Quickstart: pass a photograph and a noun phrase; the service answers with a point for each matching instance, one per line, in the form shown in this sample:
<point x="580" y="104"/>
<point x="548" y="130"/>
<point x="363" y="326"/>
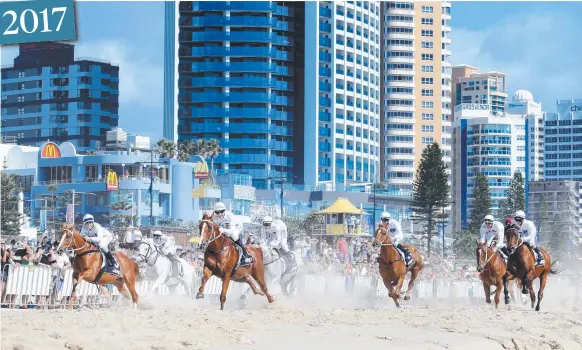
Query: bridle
<point x="487" y="257"/>
<point x="70" y="240"/>
<point x="210" y="226"/>
<point x="519" y="239"/>
<point x="145" y="257"/>
<point x="383" y="244"/>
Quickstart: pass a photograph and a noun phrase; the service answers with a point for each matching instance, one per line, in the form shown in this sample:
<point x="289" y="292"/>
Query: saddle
<point x="109" y="267"/>
<point x="402" y="256"/>
<point x="291" y="264"/>
<point x="176" y="267"/>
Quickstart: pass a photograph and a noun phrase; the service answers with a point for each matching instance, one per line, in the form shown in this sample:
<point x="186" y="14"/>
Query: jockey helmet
<point x="267" y="220"/>
<point x="489" y="219"/>
<point x="219" y="207"/>
<point x="157" y="233"/>
<point x="385" y="216"/>
<point x="519" y="215"/>
<point x="88" y="218"/>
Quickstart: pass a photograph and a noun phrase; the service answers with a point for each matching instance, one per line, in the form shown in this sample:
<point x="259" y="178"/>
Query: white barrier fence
<point x="41" y="286"/>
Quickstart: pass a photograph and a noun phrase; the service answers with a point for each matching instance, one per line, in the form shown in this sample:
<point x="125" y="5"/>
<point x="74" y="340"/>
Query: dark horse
<point x="521" y="265"/>
<point x="221" y="257"/>
<point x="88" y="261"/>
<point x="392" y="267"/>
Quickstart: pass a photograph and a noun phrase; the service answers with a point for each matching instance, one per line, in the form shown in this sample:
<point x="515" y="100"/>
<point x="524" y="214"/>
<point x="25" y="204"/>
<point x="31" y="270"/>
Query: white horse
<point x="276" y="270"/>
<point x="150" y="254"/>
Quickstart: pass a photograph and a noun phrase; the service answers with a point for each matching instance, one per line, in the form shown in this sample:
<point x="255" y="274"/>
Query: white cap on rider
<point x="267" y="220"/>
<point x="88" y="218"/>
<point x="488" y="218"/>
<point x="519" y="215"/>
<point x="219" y="206"/>
<point x="386" y="215"/>
<point x="157" y="233"/>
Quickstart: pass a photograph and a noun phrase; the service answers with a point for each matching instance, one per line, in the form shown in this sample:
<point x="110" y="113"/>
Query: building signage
<point x="112" y="181"/>
<point x="50" y="150"/>
<point x="472" y="107"/>
<point x="576" y="108"/>
<point x="201" y="170"/>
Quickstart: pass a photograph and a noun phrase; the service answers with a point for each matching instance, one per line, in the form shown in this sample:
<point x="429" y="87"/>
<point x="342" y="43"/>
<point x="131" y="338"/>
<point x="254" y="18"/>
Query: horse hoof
<point x="488" y="301"/>
<point x="537" y="308"/>
<point x="507" y="301"/>
<point x="407" y="297"/>
<point x="243" y="297"/>
<point x="199" y="296"/>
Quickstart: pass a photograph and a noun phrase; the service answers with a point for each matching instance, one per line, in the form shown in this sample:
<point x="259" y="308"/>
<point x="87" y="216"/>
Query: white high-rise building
<point x="416" y="86"/>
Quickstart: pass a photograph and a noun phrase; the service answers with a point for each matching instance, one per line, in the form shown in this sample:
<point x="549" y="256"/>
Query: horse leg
<point x="121" y="287"/>
<point x="487" y="290"/>
<point x="499" y="286"/>
<point x="259" y="276"/>
<point x="158" y="282"/>
<point x="505" y="291"/>
<point x="72" y="298"/>
<point x="543" y="279"/>
<point x="391" y="291"/>
<point x="205" y="277"/>
<point x="413" y="275"/>
<point x="225" y="284"/>
<point x="251" y="284"/>
<point x="532" y="293"/>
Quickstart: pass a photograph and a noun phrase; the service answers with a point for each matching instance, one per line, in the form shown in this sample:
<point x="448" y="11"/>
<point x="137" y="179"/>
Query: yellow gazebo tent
<point x="342" y="218"/>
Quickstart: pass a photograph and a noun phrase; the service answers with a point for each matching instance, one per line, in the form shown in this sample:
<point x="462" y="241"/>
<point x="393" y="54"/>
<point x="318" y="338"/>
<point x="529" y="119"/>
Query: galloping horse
<point x="392" y="267"/>
<point x="88" y="262"/>
<point x="221" y="257"/>
<point x="150" y="254"/>
<point x="521" y="265"/>
<point x="491" y="269"/>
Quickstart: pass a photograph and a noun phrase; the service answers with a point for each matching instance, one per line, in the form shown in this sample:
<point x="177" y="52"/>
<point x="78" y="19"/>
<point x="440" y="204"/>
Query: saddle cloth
<point x="113" y="268"/>
<point x="402" y="256"/>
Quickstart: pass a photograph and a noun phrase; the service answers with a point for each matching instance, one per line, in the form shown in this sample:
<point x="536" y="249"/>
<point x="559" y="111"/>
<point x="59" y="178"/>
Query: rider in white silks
<point x="167" y="244"/>
<point x="231" y="227"/>
<point x="276" y="235"/>
<point x="528" y="232"/>
<point x="492" y="233"/>
<point x="98" y="235"/>
<point x="395" y="230"/>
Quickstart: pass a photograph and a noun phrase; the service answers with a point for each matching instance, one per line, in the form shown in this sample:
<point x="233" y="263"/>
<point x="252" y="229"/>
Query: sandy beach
<point x="301" y="323"/>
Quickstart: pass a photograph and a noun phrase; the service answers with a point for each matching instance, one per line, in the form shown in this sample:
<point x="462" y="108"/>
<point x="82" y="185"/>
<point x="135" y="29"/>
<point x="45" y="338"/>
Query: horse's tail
<point x="554" y="270"/>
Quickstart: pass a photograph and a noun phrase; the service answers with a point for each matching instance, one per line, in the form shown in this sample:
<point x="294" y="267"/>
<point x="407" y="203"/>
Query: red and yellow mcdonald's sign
<point x="50" y="150"/>
<point x="201" y="170"/>
<point x="112" y="181"/>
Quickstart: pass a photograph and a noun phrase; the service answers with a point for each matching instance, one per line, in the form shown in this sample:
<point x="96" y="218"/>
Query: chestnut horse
<point x="392" y="267"/>
<point x="88" y="261"/>
<point x="521" y="265"/>
<point x="221" y="257"/>
<point x="491" y="269"/>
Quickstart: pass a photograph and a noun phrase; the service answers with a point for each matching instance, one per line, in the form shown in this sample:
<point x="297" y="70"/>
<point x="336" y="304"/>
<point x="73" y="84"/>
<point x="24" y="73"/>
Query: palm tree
<point x="213" y="150"/>
<point x="166" y="148"/>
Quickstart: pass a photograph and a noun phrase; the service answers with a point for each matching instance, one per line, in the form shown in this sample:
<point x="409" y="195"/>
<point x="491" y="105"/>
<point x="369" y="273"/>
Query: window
<point x="427" y="116"/>
<point x="427" y="140"/>
<point x="427" y="45"/>
<point x="427" y="69"/>
<point x="427" y="21"/>
<point x="427" y="104"/>
<point x="427" y="80"/>
<point x="427" y="92"/>
<point x="427" y="32"/>
<point x="427" y="9"/>
<point x="427" y="128"/>
<point x="427" y="57"/>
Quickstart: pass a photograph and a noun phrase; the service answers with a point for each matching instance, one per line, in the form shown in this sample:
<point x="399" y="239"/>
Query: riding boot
<point x="110" y="260"/>
<point x="540" y="259"/>
<point x="407" y="255"/>
<point x="246" y="257"/>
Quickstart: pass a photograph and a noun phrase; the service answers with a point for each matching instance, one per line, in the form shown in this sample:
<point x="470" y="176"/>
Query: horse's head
<point x="145" y="251"/>
<point x="512" y="234"/>
<point x="68" y="239"/>
<point x="382" y="236"/>
<point x="208" y="230"/>
<point x="482" y="253"/>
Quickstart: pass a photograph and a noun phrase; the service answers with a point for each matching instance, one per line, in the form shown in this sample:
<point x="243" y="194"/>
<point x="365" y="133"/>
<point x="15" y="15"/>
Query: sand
<point x="305" y="322"/>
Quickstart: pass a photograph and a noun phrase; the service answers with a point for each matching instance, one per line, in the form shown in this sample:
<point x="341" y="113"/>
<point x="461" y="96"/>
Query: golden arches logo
<point x="201" y="170"/>
<point x="50" y="150"/>
<point x="112" y="181"/>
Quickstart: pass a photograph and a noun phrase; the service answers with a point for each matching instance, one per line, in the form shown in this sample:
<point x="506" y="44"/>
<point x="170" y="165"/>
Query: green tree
<point x="481" y="203"/>
<point x="430" y="189"/>
<point x="464" y="244"/>
<point x="515" y="197"/>
<point x="312" y="221"/>
<point x="120" y="215"/>
<point x="294" y="226"/>
<point x="213" y="150"/>
<point x="10" y="221"/>
<point x="558" y="237"/>
<point x="542" y="220"/>
<point x="166" y="148"/>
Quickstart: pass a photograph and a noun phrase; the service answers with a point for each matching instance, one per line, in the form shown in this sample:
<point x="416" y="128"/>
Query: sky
<point x="537" y="44"/>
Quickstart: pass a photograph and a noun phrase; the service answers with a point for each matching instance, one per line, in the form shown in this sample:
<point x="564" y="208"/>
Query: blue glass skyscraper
<point x="49" y="95"/>
<point x="238" y="71"/>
